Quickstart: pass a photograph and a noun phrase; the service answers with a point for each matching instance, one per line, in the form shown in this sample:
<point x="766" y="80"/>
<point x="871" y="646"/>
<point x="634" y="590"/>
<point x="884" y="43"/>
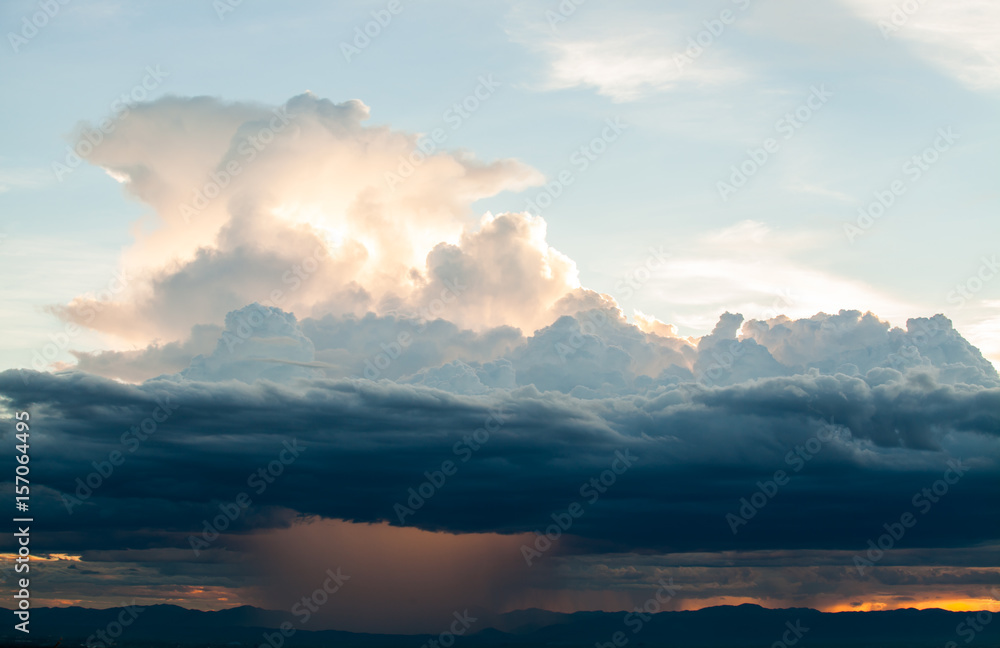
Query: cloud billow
<point x="896" y="428"/>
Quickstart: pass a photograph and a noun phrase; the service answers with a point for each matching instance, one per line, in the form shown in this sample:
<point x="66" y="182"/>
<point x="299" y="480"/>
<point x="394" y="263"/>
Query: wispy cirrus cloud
<point x="22" y="179"/>
<point x="629" y="53"/>
<point x="958" y="37"/>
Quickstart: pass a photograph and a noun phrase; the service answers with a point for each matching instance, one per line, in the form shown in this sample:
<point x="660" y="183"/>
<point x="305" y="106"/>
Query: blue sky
<point x="657" y="184"/>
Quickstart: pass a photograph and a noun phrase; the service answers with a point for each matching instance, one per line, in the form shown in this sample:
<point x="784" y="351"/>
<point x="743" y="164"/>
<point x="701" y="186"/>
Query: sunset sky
<point x="710" y="287"/>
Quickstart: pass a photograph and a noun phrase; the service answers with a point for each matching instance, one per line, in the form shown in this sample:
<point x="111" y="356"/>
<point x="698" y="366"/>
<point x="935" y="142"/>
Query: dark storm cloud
<point x="888" y="433"/>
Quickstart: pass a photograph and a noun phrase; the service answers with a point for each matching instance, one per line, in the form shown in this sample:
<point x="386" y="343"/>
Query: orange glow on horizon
<point x="9" y="557"/>
<point x="951" y="605"/>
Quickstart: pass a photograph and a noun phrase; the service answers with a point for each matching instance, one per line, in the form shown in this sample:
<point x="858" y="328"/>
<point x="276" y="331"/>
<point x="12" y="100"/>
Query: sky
<point x="499" y="250"/>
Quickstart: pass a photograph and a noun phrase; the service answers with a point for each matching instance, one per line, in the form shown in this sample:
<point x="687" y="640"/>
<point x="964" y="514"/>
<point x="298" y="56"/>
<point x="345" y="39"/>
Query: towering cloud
<point x="304" y="207"/>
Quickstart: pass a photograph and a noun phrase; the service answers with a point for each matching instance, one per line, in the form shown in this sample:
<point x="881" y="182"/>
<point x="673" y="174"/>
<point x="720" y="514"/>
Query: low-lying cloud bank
<point x="890" y="409"/>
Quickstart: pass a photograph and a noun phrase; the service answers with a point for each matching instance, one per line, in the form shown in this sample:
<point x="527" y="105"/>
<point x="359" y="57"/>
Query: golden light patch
<point x="53" y="557"/>
<point x="889" y="603"/>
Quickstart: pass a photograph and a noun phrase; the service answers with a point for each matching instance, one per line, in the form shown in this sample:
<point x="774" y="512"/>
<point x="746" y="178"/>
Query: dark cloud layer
<point x="568" y="398"/>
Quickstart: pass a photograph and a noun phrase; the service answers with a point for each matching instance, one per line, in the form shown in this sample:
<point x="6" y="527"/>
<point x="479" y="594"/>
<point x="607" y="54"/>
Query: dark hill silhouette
<point x="715" y="627"/>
